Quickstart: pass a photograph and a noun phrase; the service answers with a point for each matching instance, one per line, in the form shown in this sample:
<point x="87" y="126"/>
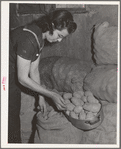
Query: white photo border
<point x="5" y="76"/>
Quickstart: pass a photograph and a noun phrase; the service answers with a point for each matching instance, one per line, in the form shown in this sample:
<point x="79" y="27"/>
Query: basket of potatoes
<point x="83" y="110"/>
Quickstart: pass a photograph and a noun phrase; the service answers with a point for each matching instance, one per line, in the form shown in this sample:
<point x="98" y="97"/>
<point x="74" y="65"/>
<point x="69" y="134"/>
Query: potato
<point x="67" y="112"/>
<point x="89" y="116"/>
<point x="82" y="115"/>
<point x="77" y="95"/>
<point x="78" y="109"/>
<point x="84" y="98"/>
<point x="92" y="107"/>
<point x="73" y="115"/>
<point x="67" y="95"/>
<point x="67" y="101"/>
<point x="80" y="93"/>
<point x="77" y="101"/>
<point x="88" y="93"/>
<point x="85" y="111"/>
<point x="92" y="99"/>
<point x="70" y="107"/>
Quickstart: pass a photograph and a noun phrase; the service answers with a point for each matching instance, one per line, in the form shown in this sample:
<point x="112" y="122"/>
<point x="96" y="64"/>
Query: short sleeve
<point x="26" y="46"/>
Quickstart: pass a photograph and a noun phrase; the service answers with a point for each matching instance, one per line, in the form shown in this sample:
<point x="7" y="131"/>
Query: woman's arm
<point x="34" y="75"/>
<point x="24" y="67"/>
<point x="34" y="71"/>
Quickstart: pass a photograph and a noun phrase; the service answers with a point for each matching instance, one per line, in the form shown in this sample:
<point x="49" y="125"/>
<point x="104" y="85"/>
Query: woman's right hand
<point x="59" y="101"/>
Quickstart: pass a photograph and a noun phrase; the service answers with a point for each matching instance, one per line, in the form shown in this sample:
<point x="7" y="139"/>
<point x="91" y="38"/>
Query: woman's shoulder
<point x="36" y="31"/>
<point x="29" y="27"/>
<point x="34" y="28"/>
<point x="29" y="32"/>
<point x="16" y="31"/>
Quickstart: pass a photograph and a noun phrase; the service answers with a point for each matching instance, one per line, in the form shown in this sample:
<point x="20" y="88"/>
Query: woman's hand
<point x="42" y="105"/>
<point x="59" y="101"/>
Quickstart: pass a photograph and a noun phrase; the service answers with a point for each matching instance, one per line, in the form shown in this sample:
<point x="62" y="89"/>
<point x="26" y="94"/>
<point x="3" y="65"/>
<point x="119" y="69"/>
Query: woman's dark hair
<point x="58" y="19"/>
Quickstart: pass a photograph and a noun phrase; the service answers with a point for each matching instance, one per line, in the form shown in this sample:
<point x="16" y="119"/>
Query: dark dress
<point x="25" y="41"/>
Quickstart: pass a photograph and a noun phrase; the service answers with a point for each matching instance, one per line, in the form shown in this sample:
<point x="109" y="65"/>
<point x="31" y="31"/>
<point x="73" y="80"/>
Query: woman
<point x="26" y="43"/>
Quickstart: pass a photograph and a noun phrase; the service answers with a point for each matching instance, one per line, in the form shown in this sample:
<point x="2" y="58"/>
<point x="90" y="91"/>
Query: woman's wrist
<point x="48" y="93"/>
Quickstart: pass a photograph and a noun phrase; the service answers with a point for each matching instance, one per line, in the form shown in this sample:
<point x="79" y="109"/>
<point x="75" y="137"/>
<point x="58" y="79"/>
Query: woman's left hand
<point x="42" y="105"/>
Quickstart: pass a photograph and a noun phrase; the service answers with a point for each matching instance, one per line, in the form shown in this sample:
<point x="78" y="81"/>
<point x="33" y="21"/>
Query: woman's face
<point x="57" y="35"/>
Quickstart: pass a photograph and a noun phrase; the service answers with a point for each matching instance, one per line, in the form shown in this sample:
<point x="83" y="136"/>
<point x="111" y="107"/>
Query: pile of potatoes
<point x="81" y="105"/>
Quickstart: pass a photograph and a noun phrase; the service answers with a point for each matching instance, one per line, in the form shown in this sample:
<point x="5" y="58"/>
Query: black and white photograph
<point x="63" y="91"/>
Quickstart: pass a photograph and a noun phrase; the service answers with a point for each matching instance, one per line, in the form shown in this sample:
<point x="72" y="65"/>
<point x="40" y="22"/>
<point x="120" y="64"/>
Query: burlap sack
<point x="102" y="82"/>
<point x="56" y="129"/>
<point x="63" y="74"/>
<point x="105" y="44"/>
